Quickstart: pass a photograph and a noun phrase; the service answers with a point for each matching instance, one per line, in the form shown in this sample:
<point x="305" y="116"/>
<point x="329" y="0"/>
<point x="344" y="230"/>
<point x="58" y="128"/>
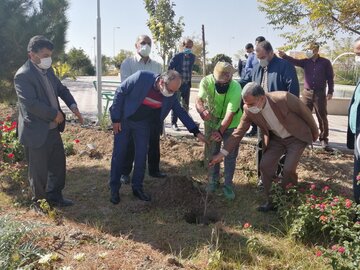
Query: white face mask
<point x="144" y="50"/>
<point x="45" y="63"/>
<point x="309" y="53"/>
<point x="165" y="92"/>
<point x="263" y="62"/>
<point x="254" y="109"/>
<point x="357" y="59"/>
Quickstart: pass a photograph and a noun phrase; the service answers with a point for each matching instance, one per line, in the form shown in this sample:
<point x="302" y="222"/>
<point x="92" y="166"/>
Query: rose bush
<point x="315" y="214"/>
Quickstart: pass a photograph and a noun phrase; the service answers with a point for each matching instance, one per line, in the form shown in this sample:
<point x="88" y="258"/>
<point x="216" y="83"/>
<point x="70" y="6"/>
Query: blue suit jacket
<point x="35" y="110"/>
<point x="350" y="142"/>
<point x="132" y="92"/>
<point x="177" y="62"/>
<point x="281" y="76"/>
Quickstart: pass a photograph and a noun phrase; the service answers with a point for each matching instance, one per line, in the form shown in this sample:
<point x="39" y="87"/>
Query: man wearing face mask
<point x="41" y="121"/>
<point x="273" y="74"/>
<point x="318" y="72"/>
<point x="183" y="63"/>
<point x="142" y="61"/>
<point x="140" y="97"/>
<point x="287" y="126"/>
<point x="353" y="131"/>
<point x="218" y="104"/>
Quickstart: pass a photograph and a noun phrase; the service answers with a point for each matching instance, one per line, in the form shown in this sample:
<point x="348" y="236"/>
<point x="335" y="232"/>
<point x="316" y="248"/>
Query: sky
<point x="229" y="24"/>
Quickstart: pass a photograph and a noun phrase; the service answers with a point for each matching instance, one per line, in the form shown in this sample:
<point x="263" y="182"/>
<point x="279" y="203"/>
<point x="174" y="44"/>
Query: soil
<point x="137" y="235"/>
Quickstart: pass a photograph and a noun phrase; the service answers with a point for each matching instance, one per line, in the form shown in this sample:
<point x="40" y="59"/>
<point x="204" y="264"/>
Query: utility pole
<point x="203" y="50"/>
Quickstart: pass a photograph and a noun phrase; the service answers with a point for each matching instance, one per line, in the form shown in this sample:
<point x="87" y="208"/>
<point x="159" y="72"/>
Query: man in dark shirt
<point x="318" y="72"/>
<point x="183" y="62"/>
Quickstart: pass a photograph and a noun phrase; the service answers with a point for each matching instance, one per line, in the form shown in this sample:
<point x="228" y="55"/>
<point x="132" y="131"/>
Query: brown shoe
<point x="326" y="146"/>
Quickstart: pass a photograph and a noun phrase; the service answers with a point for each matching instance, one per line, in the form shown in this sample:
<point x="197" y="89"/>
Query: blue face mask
<point x="187" y="51"/>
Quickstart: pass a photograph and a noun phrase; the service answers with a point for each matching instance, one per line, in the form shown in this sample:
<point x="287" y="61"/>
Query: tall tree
<point x="312" y="19"/>
<point x="22" y="19"/>
<point x="79" y="62"/>
<point x="120" y="57"/>
<point x="165" y="31"/>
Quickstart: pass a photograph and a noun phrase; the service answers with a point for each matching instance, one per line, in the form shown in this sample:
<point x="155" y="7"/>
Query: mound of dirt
<point x="177" y="191"/>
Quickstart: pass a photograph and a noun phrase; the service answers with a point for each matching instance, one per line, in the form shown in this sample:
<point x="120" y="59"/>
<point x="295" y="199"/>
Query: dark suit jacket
<point x="281" y="76"/>
<point x="350" y="142"/>
<point x="132" y="92"/>
<point x="177" y="62"/>
<point x="292" y="113"/>
<point x="35" y="111"/>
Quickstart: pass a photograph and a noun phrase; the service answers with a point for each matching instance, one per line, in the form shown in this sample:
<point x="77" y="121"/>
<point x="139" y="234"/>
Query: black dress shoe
<point x="115" y="197"/>
<point x="61" y="202"/>
<point x="140" y="194"/>
<point x="157" y="174"/>
<point x="267" y="207"/>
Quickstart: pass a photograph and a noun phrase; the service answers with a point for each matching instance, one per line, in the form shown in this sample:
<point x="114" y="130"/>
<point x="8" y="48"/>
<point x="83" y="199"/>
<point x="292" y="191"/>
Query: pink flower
<point x="11" y="155"/>
<point x="318" y="253"/>
<point x="326" y="188"/>
<point x="312" y="186"/>
<point x="348" y="203"/>
<point x="247" y="225"/>
<point x="336" y="199"/>
<point x="323" y="219"/>
<point x="76" y="141"/>
<point x="334" y="247"/>
<point x="358" y="178"/>
<point x="341" y="250"/>
<point x="312" y="196"/>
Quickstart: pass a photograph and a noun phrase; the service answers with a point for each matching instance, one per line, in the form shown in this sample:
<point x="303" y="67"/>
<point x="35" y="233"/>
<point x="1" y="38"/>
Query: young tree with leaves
<point x="312" y="19"/>
<point x="165" y="31"/>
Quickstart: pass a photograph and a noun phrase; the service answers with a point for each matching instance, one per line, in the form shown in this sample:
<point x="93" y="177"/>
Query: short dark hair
<point x="249" y="46"/>
<point x="259" y="39"/>
<point x="253" y="89"/>
<point x="37" y="43"/>
<point x="266" y="45"/>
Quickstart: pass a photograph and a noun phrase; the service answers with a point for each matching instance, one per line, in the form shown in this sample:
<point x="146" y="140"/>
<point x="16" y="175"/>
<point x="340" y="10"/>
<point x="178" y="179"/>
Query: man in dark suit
<point x="140" y="99"/>
<point x="183" y="62"/>
<point x="287" y="125"/>
<point x="41" y="121"/>
<point x="354" y="127"/>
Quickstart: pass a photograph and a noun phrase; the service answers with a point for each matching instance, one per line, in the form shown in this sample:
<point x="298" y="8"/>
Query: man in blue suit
<point x="354" y="127"/>
<point x="140" y="99"/>
<point x="183" y="62"/>
<point x="41" y="120"/>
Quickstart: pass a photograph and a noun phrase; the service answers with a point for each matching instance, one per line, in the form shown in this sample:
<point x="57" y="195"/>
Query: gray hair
<point x="266" y="45"/>
<point x="253" y="89"/>
<point x="170" y="75"/>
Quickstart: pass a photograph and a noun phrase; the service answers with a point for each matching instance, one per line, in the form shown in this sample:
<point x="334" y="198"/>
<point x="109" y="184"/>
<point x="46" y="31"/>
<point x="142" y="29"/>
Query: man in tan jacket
<point x="287" y="126"/>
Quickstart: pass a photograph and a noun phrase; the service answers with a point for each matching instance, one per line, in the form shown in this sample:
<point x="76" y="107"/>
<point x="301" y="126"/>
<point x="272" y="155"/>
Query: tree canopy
<point x="22" y="19"/>
<point x="312" y="19"/>
<point x="165" y="31"/>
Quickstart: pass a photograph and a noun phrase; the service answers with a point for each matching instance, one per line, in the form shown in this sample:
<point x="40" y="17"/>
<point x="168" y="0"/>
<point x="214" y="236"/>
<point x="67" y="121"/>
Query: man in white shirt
<point x="142" y="61"/>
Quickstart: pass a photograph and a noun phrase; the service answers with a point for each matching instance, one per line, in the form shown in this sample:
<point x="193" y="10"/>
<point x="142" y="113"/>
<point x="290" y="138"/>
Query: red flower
<point x="318" y="253"/>
<point x="247" y="225"/>
<point x="341" y="250"/>
<point x="288" y="186"/>
<point x="8" y="118"/>
<point x="358" y="178"/>
<point x="348" y="203"/>
<point x="312" y="196"/>
<point x="76" y="141"/>
<point x="11" y="155"/>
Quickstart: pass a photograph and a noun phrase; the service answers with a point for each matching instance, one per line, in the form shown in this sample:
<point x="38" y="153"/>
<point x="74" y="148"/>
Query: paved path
<point x="86" y="97"/>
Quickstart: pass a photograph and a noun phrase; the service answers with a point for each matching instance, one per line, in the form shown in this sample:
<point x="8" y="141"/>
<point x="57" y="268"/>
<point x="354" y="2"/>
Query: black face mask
<point x="222" y="88"/>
